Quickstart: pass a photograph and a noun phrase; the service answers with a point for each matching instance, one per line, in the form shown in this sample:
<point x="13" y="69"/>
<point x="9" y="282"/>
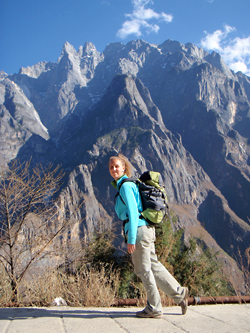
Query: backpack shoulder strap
<point x="131" y="179"/>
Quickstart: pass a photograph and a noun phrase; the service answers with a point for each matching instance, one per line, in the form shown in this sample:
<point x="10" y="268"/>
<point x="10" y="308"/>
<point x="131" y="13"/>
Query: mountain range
<point x="171" y="108"/>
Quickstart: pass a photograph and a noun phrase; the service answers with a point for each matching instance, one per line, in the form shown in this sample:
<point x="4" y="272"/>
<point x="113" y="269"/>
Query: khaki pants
<point x="152" y="272"/>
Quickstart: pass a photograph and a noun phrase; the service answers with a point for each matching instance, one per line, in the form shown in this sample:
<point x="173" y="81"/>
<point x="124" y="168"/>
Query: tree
<point x="30" y="218"/>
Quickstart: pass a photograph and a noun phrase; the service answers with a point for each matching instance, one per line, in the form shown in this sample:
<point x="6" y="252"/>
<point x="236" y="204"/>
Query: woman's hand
<point x="131" y="248"/>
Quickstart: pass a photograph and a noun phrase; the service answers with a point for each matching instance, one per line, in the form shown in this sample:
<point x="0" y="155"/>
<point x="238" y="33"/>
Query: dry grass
<point x="5" y="288"/>
<point x="85" y="288"/>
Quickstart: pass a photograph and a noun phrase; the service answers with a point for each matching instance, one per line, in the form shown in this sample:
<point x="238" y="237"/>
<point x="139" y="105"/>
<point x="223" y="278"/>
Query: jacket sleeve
<point x="128" y="194"/>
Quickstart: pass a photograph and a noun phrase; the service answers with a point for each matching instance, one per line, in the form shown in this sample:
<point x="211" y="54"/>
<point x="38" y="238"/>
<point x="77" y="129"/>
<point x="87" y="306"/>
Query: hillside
<point x="172" y="108"/>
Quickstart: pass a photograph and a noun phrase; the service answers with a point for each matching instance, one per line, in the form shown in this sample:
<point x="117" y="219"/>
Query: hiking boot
<point x="148" y="314"/>
<point x="184" y="302"/>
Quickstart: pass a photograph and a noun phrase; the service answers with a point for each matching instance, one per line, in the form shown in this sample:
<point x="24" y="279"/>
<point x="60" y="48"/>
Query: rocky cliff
<point x="172" y="108"/>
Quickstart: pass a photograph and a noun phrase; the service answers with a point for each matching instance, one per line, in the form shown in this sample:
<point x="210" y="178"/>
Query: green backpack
<point x="153" y="196"/>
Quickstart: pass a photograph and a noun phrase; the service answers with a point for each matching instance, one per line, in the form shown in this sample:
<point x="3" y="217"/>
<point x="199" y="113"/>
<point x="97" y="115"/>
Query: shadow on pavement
<point x="24" y="313"/>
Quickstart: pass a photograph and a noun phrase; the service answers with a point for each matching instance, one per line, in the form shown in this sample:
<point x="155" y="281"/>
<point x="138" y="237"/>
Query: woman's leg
<point x="142" y="267"/>
<point x="165" y="280"/>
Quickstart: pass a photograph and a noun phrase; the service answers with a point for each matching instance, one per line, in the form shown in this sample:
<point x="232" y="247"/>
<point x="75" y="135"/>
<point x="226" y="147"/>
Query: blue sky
<point x="35" y="30"/>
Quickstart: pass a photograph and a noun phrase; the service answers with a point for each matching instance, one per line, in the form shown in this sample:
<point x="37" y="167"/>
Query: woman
<point x="140" y="244"/>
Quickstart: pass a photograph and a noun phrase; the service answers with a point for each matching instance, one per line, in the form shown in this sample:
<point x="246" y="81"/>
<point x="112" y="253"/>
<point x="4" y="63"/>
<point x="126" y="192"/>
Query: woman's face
<point x="116" y="168"/>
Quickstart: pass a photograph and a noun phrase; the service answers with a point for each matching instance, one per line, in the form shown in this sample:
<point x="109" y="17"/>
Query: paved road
<point x="200" y="318"/>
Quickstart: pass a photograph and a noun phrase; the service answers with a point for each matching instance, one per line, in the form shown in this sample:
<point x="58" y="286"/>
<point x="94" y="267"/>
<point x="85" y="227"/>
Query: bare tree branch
<point x="29" y="217"/>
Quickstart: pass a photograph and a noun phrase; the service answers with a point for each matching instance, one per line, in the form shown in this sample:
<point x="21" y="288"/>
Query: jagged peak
<point x="171" y="46"/>
<point x="3" y="75"/>
<point x="68" y="48"/>
<point x="216" y="60"/>
<point x="114" y="47"/>
<point x="196" y="51"/>
<point x="36" y="70"/>
<point x="89" y="48"/>
<point x="137" y="43"/>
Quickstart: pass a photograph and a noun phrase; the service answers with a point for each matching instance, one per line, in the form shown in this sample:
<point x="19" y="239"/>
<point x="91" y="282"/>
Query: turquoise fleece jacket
<point x="131" y="210"/>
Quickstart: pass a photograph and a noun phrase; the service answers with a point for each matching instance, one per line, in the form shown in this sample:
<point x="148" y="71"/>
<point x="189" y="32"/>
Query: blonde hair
<point x="125" y="163"/>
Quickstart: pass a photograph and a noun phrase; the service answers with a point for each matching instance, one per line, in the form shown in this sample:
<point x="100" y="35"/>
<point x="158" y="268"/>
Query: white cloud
<point x="213" y="41"/>
<point x="139" y="18"/>
<point x="235" y="51"/>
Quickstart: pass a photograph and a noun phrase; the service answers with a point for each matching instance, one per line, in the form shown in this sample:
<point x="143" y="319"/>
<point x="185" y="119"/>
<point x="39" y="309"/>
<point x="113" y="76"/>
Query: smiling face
<point x="116" y="168"/>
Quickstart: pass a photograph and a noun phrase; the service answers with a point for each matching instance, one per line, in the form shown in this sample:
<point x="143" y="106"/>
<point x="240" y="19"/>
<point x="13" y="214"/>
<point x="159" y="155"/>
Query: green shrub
<point x="193" y="265"/>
